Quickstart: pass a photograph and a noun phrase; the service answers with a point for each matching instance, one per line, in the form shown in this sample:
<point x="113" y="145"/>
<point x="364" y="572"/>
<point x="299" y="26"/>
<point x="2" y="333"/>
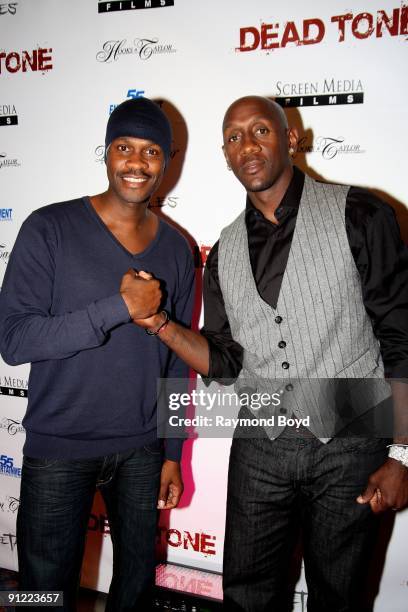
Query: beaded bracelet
<point x="149" y="332"/>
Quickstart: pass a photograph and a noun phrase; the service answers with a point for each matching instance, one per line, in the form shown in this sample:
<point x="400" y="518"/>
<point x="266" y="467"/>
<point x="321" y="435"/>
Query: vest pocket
<point x="361" y="367"/>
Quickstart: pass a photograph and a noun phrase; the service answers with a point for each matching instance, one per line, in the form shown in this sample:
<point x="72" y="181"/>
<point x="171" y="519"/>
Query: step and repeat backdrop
<point x="338" y="68"/>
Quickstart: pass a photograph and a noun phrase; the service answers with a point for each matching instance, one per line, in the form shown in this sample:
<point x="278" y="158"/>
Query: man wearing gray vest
<point x="309" y="283"/>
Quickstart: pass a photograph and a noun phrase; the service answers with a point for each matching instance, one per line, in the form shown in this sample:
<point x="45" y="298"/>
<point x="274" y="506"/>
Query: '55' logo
<point x="6" y="461"/>
<point x="135" y="93"/>
<point x="132" y="93"/>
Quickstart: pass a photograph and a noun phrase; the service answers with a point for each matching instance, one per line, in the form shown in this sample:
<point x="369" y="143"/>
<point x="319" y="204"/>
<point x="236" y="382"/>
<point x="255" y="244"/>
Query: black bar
<point x="9" y="120"/>
<point x="131" y="5"/>
<point x="13" y="392"/>
<point x="322" y="100"/>
<point x="31" y="599"/>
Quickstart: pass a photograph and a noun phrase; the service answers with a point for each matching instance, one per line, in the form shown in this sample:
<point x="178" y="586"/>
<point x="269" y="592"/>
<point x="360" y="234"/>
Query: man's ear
<point x="293" y="137"/>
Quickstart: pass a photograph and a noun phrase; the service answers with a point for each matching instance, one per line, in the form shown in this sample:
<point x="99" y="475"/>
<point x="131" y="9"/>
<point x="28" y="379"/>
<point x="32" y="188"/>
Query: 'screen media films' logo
<point x="13" y="387"/>
<point x="141" y="48"/>
<point x="131" y="5"/>
<point x="37" y="60"/>
<point x="8" y="115"/>
<point x="329" y="92"/>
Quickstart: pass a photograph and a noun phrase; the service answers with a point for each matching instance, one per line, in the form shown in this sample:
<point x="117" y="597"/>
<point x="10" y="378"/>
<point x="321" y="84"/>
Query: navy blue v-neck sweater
<point x="93" y="379"/>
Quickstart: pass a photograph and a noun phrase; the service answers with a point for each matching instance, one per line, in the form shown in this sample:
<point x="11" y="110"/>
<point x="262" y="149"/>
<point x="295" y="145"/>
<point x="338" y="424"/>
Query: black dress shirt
<point x="380" y="256"/>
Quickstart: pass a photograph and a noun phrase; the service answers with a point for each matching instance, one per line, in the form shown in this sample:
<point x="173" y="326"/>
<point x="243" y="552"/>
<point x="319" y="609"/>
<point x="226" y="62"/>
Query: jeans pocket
<point x="34" y="462"/>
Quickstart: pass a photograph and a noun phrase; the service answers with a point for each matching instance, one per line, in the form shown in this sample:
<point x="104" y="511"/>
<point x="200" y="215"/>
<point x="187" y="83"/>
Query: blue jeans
<point x="277" y="488"/>
<point x="55" y="504"/>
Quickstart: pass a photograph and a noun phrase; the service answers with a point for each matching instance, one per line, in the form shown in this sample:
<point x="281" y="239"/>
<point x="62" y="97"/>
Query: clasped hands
<point x="143" y="296"/>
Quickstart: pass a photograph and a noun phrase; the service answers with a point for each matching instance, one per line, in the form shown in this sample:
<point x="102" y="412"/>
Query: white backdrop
<point x="64" y="65"/>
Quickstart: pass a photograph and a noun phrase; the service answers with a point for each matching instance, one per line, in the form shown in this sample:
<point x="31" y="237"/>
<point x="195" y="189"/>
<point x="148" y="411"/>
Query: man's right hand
<point x="189" y="345"/>
<point x="142" y="294"/>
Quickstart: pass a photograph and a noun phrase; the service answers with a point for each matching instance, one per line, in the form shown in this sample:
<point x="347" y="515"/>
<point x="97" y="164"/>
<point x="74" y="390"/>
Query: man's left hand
<point x="171" y="485"/>
<point x="387" y="487"/>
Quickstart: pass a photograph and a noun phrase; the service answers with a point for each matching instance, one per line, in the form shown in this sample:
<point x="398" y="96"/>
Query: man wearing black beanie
<point x="140" y="118"/>
<point x="80" y="271"/>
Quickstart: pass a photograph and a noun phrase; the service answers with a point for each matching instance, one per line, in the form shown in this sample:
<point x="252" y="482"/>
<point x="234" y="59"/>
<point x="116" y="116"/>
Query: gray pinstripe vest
<point x="325" y="326"/>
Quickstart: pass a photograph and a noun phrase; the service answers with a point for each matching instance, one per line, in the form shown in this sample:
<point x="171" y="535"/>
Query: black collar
<point x="290" y="200"/>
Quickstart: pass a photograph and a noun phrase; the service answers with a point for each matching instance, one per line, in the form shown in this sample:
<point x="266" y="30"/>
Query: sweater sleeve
<point x="182" y="312"/>
<point x="29" y="332"/>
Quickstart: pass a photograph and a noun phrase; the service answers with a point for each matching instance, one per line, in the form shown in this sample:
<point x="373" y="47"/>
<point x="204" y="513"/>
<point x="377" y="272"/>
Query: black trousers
<point x="277" y="487"/>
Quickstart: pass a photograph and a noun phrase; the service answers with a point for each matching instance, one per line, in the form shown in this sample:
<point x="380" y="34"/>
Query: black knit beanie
<point x="140" y="118"/>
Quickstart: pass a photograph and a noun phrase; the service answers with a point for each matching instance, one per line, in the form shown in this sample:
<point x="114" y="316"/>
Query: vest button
<point x="282" y="344"/>
<point x="278" y="320"/>
<point x="282" y="410"/>
<point x="285" y="365"/>
<point x="289" y="387"/>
